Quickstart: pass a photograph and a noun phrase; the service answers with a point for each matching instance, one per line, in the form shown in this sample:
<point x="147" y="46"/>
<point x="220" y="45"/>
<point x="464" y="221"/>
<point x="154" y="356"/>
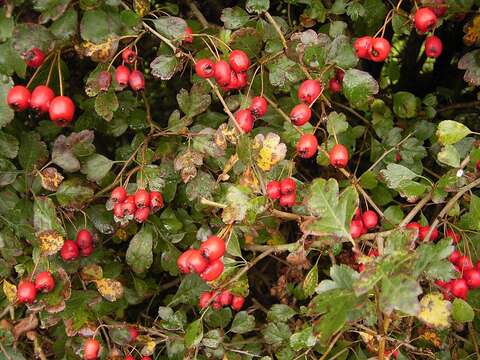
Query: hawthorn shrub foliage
<point x="294" y="180"/>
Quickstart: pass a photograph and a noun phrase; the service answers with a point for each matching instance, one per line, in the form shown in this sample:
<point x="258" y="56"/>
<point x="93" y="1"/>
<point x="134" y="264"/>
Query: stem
<point x="198" y="14"/>
<point x="272" y="21"/>
<point x="161" y="37"/>
<point x="38" y="70"/>
<point x="207" y="202"/>
<point x="60" y="79"/>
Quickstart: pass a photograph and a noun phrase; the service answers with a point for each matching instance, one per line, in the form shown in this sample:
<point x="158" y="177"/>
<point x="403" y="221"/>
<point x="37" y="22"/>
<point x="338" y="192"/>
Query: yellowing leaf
<point x="10" y="291"/>
<point x="110" y="289"/>
<point x="50" y="241"/>
<point x="91" y="272"/>
<point x="98" y="52"/>
<point x="472" y="32"/>
<point x="141" y="7"/>
<point x="51" y="178"/>
<point x="271" y="150"/>
<point x="149" y="348"/>
<point x="435" y="311"/>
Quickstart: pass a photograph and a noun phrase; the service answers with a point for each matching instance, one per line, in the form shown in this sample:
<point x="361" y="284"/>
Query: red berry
<point x="340" y="74"/>
<point x="122" y="75"/>
<point x="104" y="79"/>
<point x="362" y="47"/>
<point x="196" y="262"/>
<point x="212" y="271"/>
<point x="205" y="68"/>
<point x="213" y="248"/>
<point x="413" y="225"/>
<point x="425" y="20"/>
<point x="244" y="120"/>
<point x="334" y="86"/>
<point x="129" y="357"/>
<point x="273" y="190"/>
<point x="300" y="114"/>
<point x="26" y="292"/>
<point x="216" y="304"/>
<point x="288" y="200"/>
<point x="453" y="235"/>
<point x="136" y="80"/>
<point x="237" y="302"/>
<point x="225" y="298"/>
<point x="309" y="91"/>
<point x="287" y="186"/>
<point x="119" y="194"/>
<point x="204" y="299"/>
<point x="61" y="110"/>
<point x="358" y="214"/>
<point x="222" y="73"/>
<point x="86" y="251"/>
<point x="182" y="261"/>
<point x="464" y="263"/>
<point x="156" y="201"/>
<point x="433" y="46"/>
<point x="307" y="146"/>
<point x="234" y="82"/>
<point x="34" y="57"/>
<point x="239" y="61"/>
<point x="18" y="98"/>
<point x="477" y="165"/>
<point x="118" y="210"/>
<point x="69" y="250"/>
<point x="84" y="239"/>
<point x="472" y="277"/>
<point x="380" y="49"/>
<point x="142" y="198"/>
<point x="258" y="106"/>
<point x="373" y="252"/>
<point x="187" y="37"/>
<point x="41" y="97"/>
<point x="128" y="208"/>
<point x="91" y="349"/>
<point x="370" y="219"/>
<point x="440" y="283"/>
<point x="129" y="56"/>
<point x="454" y="257"/>
<point x="141" y="215"/>
<point x="422" y="233"/>
<point x="44" y="282"/>
<point x="133" y="334"/>
<point x="338" y="156"/>
<point x="241" y="80"/>
<point x="439" y="8"/>
<point x="356" y="229"/>
<point x="459" y="288"/>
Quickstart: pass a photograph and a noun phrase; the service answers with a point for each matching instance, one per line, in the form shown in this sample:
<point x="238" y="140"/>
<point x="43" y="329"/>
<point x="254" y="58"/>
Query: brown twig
<point x="197" y="13"/>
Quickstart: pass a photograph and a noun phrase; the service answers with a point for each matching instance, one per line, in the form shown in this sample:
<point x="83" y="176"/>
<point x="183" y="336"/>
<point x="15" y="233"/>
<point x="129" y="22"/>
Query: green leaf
<point x="234" y="18"/>
<point x="470" y="219"/>
<point x="65" y="27"/>
<point x="358" y="87"/>
<point x="170" y="26"/>
<point x="73" y="193"/>
<point x="432" y="260"/>
<point x="194" y="333"/>
<point x="96" y="167"/>
<point x="139" y="254"/>
<point x="368" y="180"/>
<point x="310" y="282"/>
<point x="8" y="172"/>
<point x="280" y="313"/>
<point x="213" y="339"/>
<point x="343" y="276"/>
<point x="66" y="149"/>
<point x="164" y="66"/>
<point x="189" y="290"/>
<point x="45" y="217"/>
<point x="284" y="72"/>
<point x="462" y="311"/>
<point x="450" y="132"/>
<point x="33" y="152"/>
<point x="98" y="25"/>
<point x="242" y="323"/>
<point x="101" y="218"/>
<point x="50" y="9"/>
<point x="276" y="333"/>
<point x="336" y="123"/>
<point x="395" y="174"/>
<point x="6" y="113"/>
<point x="342" y="53"/>
<point x="400" y="293"/>
<point x="29" y="35"/>
<point x="8" y="145"/>
<point x="449" y="156"/>
<point x="405" y="105"/>
<point x="303" y="339"/>
<point x="195" y="102"/>
<point x="257" y="6"/>
<point x="6" y="25"/>
<point x="106" y="103"/>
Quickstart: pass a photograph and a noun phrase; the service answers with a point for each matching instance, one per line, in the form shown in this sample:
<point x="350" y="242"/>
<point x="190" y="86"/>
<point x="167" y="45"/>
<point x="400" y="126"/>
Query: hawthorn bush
<point x="294" y="179"/>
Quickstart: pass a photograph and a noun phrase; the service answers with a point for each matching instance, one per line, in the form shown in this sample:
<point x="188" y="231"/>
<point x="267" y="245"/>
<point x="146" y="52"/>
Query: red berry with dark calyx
<point x="340" y="74"/>
<point x="141" y="215"/>
<point x="196" y="262"/>
<point x="356" y="229"/>
<point x="472" y="277"/>
<point x="118" y="210"/>
<point x="309" y="91"/>
<point x="84" y="239"/>
<point x="213" y="248"/>
<point x="69" y="250"/>
<point x="91" y="349"/>
<point x="187" y="36"/>
<point x="122" y="74"/>
<point x="464" y="263"/>
<point x="362" y="47"/>
<point x="136" y="80"/>
<point x="288" y="200"/>
<point x="213" y="270"/>
<point x="183" y="261"/>
<point x="119" y="195"/>
<point x="142" y="198"/>
<point x="225" y="298"/>
<point x="239" y="61"/>
<point x="86" y="251"/>
<point x="370" y="219"/>
<point x="334" y="86"/>
<point x="204" y="299"/>
<point x="258" y="106"/>
<point x="234" y="82"/>
<point x="61" y="110"/>
<point x="453" y="235"/>
<point x="128" y="208"/>
<point x="44" y="282"/>
<point x="273" y="190"/>
<point x="433" y="46"/>
<point x="104" y="79"/>
<point x="26" y="292"/>
<point x="422" y="233"/>
<point x="338" y="156"/>
<point x="440" y="283"/>
<point x="18" y="98"/>
<point x="129" y="56"/>
<point x="133" y="334"/>
<point x="156" y="201"/>
<point x="300" y="114"/>
<point x="454" y="257"/>
<point x="34" y="57"/>
<point x="459" y="288"/>
<point x="288" y="186"/>
<point x="237" y="302"/>
<point x="425" y="20"/>
<point x="307" y="146"/>
<point x="244" y="120"/>
<point x="40" y="99"/>
<point x="380" y="49"/>
<point x="205" y="68"/>
<point x="130" y="199"/>
<point x="222" y="73"/>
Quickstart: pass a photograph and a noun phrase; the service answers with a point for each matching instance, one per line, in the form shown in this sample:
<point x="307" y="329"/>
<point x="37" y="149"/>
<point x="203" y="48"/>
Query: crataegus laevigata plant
<point x="239" y="180"/>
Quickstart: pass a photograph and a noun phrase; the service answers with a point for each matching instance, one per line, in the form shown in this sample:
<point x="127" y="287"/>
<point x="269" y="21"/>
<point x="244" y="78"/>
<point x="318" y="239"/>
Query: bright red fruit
<point x="26" y="292"/>
<point x="18" y="98"/>
<point x="104" y="79"/>
<point x="44" y="282"/>
<point x="41" y="97"/>
<point x="205" y="68"/>
<point x="338" y="156"/>
<point x="237" y="302"/>
<point x="234" y="82"/>
<point x="425" y="20"/>
<point x="307" y="146"/>
<point x="422" y="233"/>
<point x="334" y="86"/>
<point x="287" y="186"/>
<point x="362" y="46"/>
<point x="187" y="37"/>
<point x="61" y="110"/>
<point x="129" y="357"/>
<point x="204" y="299"/>
<point x="156" y="201"/>
<point x="213" y="270"/>
<point x="213" y="248"/>
<point x="273" y="190"/>
<point x="182" y="261"/>
<point x="288" y="200"/>
<point x="34" y="57"/>
<point x="141" y="215"/>
<point x="136" y="80"/>
<point x="258" y="106"/>
<point x="84" y="239"/>
<point x="358" y="214"/>
<point x="464" y="263"/>
<point x="414" y="225"/>
<point x="196" y="262"/>
<point x="433" y="46"/>
<point x="87" y="251"/>
<point x="222" y="73"/>
<point x="69" y="250"/>
<point x="119" y="194"/>
<point x="133" y="334"/>
<point x="241" y="80"/>
<point x="129" y="56"/>
<point x="309" y="91"/>
<point x="244" y="120"/>
<point x="118" y="210"/>
<point x="300" y="114"/>
<point x="370" y="219"/>
<point x="239" y="61"/>
<point x="122" y="74"/>
<point x="453" y="235"/>
<point x="225" y="298"/>
<point x="380" y="49"/>
<point x="472" y="277"/>
<point x="356" y="228"/>
<point x="91" y="349"/>
<point x="459" y="288"/>
<point x="142" y="198"/>
<point x="128" y="208"/>
<point x="454" y="257"/>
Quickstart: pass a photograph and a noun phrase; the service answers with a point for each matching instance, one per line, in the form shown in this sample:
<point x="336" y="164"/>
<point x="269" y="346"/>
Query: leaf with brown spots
<point x="110" y="289"/>
<point x="51" y="179"/>
<point x="50" y="241"/>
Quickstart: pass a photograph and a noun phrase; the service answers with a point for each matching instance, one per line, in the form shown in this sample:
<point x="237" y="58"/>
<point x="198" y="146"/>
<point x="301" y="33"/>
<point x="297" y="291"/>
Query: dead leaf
<point x="110" y="289"/>
<point x="472" y="32"/>
<point x="91" y="272"/>
<point x="249" y="179"/>
<point x="98" y="52"/>
<point x="51" y="179"/>
<point x="24" y="325"/>
<point x="270" y="150"/>
<point x="187" y="162"/>
<point x="141" y="7"/>
<point x="435" y="311"/>
<point x="51" y="242"/>
<point x="10" y="291"/>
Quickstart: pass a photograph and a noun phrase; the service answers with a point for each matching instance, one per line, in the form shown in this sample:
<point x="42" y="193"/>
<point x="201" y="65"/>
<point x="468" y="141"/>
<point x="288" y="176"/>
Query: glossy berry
<point x="183" y="261"/>
<point x="273" y="190"/>
<point x="433" y="46"/>
<point x="69" y="250"/>
<point x="122" y="75"/>
<point x="258" y="106"/>
<point x="358" y="214"/>
<point x="237" y="302"/>
<point x="356" y="229"/>
<point x="212" y="271"/>
<point x="187" y="36"/>
<point x="136" y="80"/>
<point x="425" y="20"/>
<point x="61" y="110"/>
<point x="119" y="194"/>
<point x="142" y="198"/>
<point x="204" y="299"/>
<point x="196" y="262"/>
<point x="288" y="186"/>
<point x="213" y="248"/>
<point x="464" y="263"/>
<point x="334" y="86"/>
<point x="40" y="98"/>
<point x="156" y="201"/>
<point x="222" y="73"/>
<point x="362" y="47"/>
<point x="91" y="349"/>
<point x="34" y="57"/>
<point x="129" y="56"/>
<point x="84" y="239"/>
<point x="141" y="215"/>
<point x="205" y="68"/>
<point x="380" y="49"/>
<point x="128" y="208"/>
<point x="307" y="146"/>
<point x="26" y="292"/>
<point x="18" y="98"/>
<point x="454" y="257"/>
<point x="459" y="288"/>
<point x="239" y="61"/>
<point x="370" y="219"/>
<point x="288" y="200"/>
<point x="472" y="277"/>
<point x="338" y="156"/>
<point x="300" y="114"/>
<point x="453" y="235"/>
<point x="44" y="282"/>
<point x="133" y="334"/>
<point x="104" y="79"/>
<point x="422" y="233"/>
<point x="244" y="120"/>
<point x="87" y="251"/>
<point x="225" y="298"/>
<point x="309" y="91"/>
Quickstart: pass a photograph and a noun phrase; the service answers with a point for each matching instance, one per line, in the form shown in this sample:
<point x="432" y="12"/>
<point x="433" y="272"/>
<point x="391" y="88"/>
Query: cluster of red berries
<point x="362" y="222"/>
<point x="246" y="117"/>
<point x="206" y="261"/>
<point x="339" y="156"/>
<point x="423" y="231"/>
<point x="137" y="206"/>
<point x="335" y="83"/>
<point x="284" y="190"/>
<point x="425" y="20"/>
<point x="83" y="245"/>
<point x="219" y="300"/>
<point x="123" y="75"/>
<point x="27" y="289"/>
<point x="375" y="49"/>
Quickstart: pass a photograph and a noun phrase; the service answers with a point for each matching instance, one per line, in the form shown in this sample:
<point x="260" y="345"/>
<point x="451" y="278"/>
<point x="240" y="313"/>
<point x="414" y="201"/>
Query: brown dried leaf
<point x="24" y="325"/>
<point x="249" y="179"/>
<point x="187" y="163"/>
<point x="98" y="52"/>
<point x="270" y="152"/>
<point x="110" y="289"/>
<point x="141" y="7"/>
<point x="51" y="179"/>
<point x="51" y="242"/>
<point x="91" y="272"/>
<point x="10" y="291"/>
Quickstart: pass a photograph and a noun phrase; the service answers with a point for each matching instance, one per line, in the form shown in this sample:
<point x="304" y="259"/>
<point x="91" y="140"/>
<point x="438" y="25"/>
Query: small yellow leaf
<point x="472" y="32"/>
<point x="10" y="291"/>
<point x="91" y="272"/>
<point x="110" y="289"/>
<point x="141" y="7"/>
<point x="98" y="52"/>
<point x="271" y="150"/>
<point x="50" y="241"/>
<point x="51" y="178"/>
<point x="435" y="311"/>
<point x="149" y="348"/>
